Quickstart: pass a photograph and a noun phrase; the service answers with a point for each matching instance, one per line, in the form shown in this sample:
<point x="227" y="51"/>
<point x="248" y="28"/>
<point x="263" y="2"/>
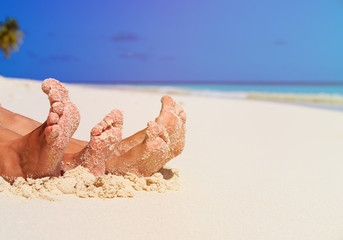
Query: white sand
<point x="81" y="183"/>
<point x="250" y="170"/>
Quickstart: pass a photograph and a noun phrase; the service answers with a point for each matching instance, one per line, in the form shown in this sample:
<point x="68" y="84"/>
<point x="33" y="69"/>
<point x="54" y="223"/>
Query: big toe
<point x="180" y="112"/>
<point x="183" y="117"/>
<point x="168" y="103"/>
<point x="52" y="88"/>
<point x="117" y="117"/>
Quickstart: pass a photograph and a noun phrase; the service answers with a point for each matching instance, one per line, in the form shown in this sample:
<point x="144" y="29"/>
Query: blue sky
<point x="180" y="40"/>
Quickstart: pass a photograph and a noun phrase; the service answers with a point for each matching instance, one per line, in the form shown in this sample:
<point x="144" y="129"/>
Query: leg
<point x="104" y="139"/>
<point x="8" y="135"/>
<point x="172" y="117"/>
<point x="16" y="122"/>
<point x="24" y="125"/>
<point x="39" y="153"/>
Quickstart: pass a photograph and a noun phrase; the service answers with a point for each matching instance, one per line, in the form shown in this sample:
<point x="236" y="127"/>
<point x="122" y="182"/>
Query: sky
<point x="177" y="41"/>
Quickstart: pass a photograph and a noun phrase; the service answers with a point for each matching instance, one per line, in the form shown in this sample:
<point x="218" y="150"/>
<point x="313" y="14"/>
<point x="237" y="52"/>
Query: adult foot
<point x="103" y="142"/>
<point x="173" y="118"/>
<point x="39" y="153"/>
<point x="145" y="158"/>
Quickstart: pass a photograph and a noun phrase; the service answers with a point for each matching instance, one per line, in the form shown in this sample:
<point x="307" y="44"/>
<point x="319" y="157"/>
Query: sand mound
<point x="82" y="183"/>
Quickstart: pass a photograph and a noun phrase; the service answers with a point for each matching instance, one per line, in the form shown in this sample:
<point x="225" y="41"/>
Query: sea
<point x="233" y="88"/>
<point x="319" y="94"/>
<point x="300" y="89"/>
<point x="326" y="96"/>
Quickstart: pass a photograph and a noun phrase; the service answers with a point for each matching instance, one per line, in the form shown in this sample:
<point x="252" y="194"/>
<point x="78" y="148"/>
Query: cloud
<point x="280" y="42"/>
<point x="124" y="37"/>
<point x="132" y="55"/>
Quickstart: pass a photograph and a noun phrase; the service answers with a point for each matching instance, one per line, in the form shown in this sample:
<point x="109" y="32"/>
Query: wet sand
<point x="250" y="170"/>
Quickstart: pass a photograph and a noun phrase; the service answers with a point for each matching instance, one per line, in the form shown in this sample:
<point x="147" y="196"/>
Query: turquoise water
<point x="307" y="89"/>
<point x="320" y="96"/>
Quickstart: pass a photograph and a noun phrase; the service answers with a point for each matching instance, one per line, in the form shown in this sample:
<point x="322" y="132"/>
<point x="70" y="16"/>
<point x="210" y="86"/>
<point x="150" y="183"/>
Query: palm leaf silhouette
<point x="10" y="36"/>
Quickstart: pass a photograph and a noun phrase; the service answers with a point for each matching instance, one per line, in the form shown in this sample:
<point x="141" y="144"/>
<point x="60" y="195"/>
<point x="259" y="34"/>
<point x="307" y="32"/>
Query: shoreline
<point x="319" y="100"/>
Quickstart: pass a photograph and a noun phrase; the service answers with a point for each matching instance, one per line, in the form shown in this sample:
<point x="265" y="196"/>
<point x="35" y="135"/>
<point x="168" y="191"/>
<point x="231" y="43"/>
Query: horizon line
<point x="289" y="83"/>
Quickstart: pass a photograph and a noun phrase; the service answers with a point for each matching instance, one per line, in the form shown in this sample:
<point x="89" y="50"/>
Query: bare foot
<point x="145" y="158"/>
<point x="173" y="118"/>
<point x="104" y="139"/>
<point x="39" y="153"/>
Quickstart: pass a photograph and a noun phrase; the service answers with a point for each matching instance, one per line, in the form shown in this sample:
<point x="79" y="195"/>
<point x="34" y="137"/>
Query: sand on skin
<point x="250" y="170"/>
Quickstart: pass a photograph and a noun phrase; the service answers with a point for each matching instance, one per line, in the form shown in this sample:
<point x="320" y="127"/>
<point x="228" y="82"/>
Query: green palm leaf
<point x="10" y="36"/>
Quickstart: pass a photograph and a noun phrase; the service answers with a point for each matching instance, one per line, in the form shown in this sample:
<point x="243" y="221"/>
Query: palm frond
<point x="10" y="36"/>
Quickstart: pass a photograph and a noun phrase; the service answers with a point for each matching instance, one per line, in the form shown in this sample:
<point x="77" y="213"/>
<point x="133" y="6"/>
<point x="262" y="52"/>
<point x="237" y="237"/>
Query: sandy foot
<point x="173" y="118"/>
<point x="103" y="141"/>
<point x="39" y="153"/>
<point x="145" y="158"/>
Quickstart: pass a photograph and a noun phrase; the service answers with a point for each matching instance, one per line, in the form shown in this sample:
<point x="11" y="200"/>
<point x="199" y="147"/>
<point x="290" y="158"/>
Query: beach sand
<point x="250" y="170"/>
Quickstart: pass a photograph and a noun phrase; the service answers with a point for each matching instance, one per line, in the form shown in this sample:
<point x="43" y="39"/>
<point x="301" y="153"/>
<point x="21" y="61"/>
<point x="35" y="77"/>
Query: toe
<point x="46" y="85"/>
<point x="178" y="109"/>
<point x="108" y="120"/>
<point x="52" y="118"/>
<point x="167" y="103"/>
<point x="51" y="86"/>
<point x="153" y="130"/>
<point x="163" y="134"/>
<point x="52" y="132"/>
<point x="118" y="118"/>
<point x="183" y="117"/>
<point x="54" y="96"/>
<point x="58" y="108"/>
<point x="114" y="118"/>
<point x="96" y="131"/>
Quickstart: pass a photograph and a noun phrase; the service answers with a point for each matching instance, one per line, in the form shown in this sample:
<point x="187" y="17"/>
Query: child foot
<point x="147" y="157"/>
<point x="173" y="118"/>
<point x="104" y="139"/>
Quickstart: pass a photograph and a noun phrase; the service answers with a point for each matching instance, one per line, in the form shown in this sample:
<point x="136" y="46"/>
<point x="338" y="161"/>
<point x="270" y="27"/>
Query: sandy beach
<point x="250" y="170"/>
